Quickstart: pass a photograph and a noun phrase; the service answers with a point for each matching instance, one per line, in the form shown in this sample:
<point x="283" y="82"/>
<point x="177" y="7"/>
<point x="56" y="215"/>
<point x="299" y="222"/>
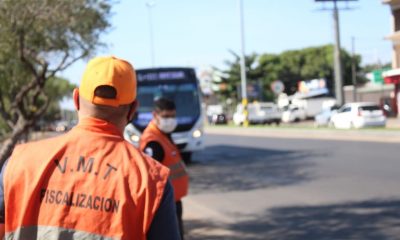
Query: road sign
<point x="277" y="86"/>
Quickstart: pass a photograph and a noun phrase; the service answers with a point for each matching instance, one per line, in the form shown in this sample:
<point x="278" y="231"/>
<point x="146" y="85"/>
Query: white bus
<point x="181" y="86"/>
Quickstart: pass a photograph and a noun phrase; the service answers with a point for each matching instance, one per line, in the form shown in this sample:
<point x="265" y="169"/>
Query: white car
<point x="359" y="115"/>
<point x="293" y="114"/>
<point x="258" y="113"/>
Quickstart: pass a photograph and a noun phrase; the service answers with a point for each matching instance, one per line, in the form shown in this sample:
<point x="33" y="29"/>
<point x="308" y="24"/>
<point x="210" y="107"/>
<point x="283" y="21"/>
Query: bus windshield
<point x="184" y="94"/>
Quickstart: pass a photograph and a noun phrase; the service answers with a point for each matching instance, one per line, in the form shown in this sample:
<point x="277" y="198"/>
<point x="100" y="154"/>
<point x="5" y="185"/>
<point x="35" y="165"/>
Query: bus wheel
<point x="187" y="157"/>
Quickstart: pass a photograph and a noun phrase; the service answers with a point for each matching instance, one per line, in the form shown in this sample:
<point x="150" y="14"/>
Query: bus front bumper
<point x="189" y="141"/>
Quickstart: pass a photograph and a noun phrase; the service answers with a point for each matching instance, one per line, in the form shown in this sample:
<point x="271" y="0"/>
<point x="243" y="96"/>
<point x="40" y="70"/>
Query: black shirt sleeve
<point x="155" y="150"/>
<point x="165" y="223"/>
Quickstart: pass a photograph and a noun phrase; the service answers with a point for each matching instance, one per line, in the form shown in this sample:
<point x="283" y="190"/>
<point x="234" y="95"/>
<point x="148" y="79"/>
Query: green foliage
<point x="38" y="39"/>
<point x="290" y="67"/>
<point x="375" y="66"/>
<point x="305" y="64"/>
<point x="57" y="89"/>
<point x="49" y="26"/>
<point x="3" y="129"/>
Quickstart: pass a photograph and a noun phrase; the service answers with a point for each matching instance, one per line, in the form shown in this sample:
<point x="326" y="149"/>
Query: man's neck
<point x="120" y="125"/>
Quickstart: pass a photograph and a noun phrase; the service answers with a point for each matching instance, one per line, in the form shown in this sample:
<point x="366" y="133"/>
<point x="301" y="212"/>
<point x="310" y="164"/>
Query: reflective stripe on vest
<point x="75" y="186"/>
<point x="177" y="170"/>
<point x="49" y="232"/>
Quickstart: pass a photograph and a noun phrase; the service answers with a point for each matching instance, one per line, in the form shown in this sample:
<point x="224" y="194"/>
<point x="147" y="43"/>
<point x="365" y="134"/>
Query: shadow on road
<point x="375" y="219"/>
<point x="233" y="168"/>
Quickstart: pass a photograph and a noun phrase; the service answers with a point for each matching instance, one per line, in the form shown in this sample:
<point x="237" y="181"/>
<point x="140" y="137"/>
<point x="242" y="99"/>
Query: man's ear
<point x="156" y="118"/>
<point x="76" y="98"/>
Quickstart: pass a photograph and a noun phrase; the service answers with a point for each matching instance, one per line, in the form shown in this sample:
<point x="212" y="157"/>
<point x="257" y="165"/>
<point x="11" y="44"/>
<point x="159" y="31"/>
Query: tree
<point x="56" y="89"/>
<point x="375" y="66"/>
<point x="232" y="80"/>
<point x="290" y="67"/>
<point x="38" y="39"/>
<point x="305" y="64"/>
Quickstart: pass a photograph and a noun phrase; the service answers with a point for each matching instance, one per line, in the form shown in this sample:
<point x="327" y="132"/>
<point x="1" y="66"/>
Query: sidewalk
<point x="305" y="130"/>
<point x="393" y="123"/>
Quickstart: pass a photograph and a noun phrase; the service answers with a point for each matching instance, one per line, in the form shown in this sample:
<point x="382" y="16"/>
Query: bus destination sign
<point x="161" y="76"/>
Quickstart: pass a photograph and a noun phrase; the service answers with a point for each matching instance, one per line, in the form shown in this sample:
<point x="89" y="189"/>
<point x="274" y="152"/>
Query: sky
<point x="200" y="33"/>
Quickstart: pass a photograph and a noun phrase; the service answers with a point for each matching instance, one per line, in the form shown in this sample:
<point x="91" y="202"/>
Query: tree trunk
<point x="8" y="145"/>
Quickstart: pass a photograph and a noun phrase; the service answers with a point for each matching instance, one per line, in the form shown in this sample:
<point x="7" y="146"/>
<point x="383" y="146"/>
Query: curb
<point x="384" y="136"/>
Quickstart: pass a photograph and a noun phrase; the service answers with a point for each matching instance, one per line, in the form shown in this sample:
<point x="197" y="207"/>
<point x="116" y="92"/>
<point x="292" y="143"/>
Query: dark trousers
<point x="179" y="211"/>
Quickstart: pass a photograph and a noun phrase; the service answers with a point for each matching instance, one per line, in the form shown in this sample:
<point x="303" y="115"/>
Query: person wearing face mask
<point x="156" y="142"/>
<point x="89" y="183"/>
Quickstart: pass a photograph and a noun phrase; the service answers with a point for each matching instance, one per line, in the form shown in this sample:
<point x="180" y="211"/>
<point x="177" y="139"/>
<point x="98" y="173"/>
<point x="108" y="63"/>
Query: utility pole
<point x="337" y="59"/>
<point x="150" y="5"/>
<point x="353" y="70"/>
<point x="243" y="65"/>
<point x="338" y="66"/>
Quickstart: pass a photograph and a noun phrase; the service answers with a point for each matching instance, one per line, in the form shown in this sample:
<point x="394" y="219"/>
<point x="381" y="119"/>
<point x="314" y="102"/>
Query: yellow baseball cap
<point x="109" y="71"/>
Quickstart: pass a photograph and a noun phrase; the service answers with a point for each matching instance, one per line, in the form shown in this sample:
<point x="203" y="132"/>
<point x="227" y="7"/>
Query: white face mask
<point x="167" y="125"/>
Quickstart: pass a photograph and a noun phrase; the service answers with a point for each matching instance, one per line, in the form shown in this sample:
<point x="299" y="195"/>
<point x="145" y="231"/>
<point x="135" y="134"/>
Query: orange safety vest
<point x="87" y="184"/>
<point x="172" y="159"/>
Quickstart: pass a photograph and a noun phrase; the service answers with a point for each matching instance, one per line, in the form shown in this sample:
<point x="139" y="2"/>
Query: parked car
<point x="218" y="119"/>
<point x="258" y="113"/>
<point x="61" y="126"/>
<point x="324" y="117"/>
<point x="293" y="114"/>
<point x="359" y="115"/>
<point x="213" y="110"/>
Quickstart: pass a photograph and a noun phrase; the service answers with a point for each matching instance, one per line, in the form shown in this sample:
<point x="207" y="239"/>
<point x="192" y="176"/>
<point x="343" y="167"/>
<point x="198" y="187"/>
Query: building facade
<point x="393" y="76"/>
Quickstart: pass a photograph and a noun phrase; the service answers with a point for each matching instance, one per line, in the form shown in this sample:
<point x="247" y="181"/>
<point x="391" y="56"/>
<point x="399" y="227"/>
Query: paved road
<point x="245" y="187"/>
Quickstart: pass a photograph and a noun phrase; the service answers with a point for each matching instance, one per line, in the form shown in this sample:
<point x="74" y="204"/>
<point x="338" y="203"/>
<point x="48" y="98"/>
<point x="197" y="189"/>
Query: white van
<point x="258" y="113"/>
<point x="293" y="114"/>
<point x="313" y="106"/>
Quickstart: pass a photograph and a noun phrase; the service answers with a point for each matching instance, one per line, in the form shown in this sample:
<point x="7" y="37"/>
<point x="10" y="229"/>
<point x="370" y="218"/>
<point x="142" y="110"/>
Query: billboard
<point x="313" y="87"/>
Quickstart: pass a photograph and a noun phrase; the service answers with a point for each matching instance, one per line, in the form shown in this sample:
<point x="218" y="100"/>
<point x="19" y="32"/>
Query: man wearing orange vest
<point x="156" y="142"/>
<point x="89" y="183"/>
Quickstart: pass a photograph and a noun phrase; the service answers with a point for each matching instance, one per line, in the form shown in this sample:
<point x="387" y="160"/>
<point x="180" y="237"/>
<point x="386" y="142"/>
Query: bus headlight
<point x="197" y="133"/>
<point x="134" y="138"/>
